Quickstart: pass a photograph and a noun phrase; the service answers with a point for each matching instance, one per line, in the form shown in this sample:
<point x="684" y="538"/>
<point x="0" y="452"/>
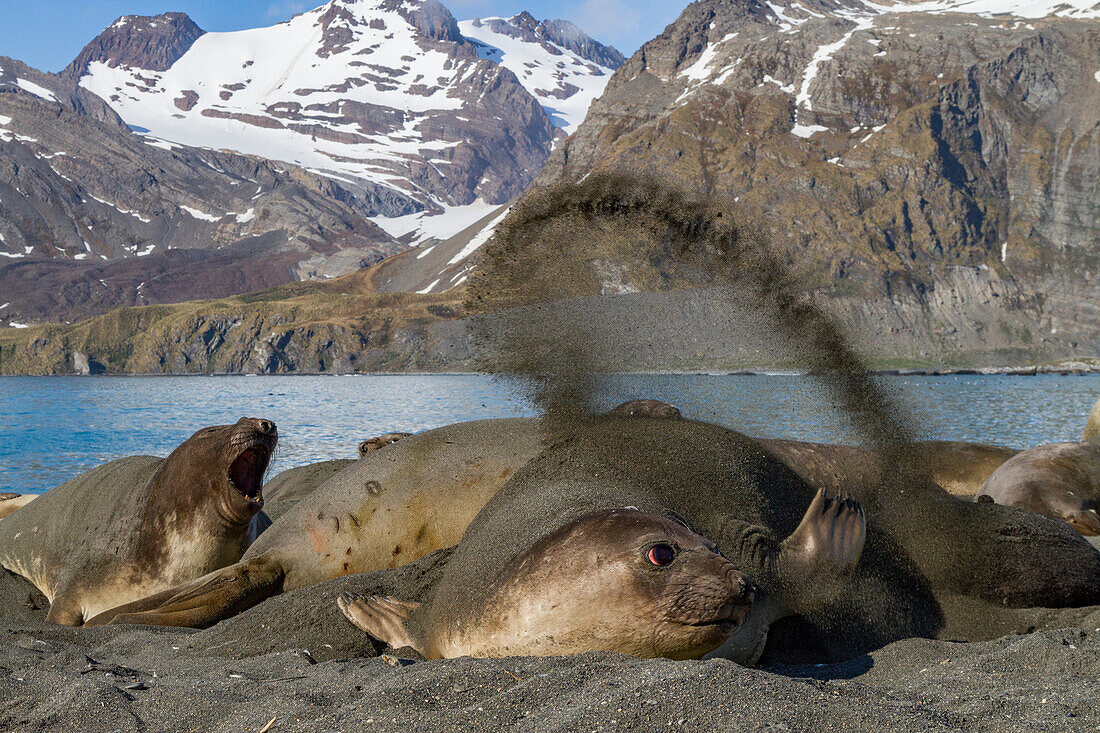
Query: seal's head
<point x="225" y="465"/>
<point x="646" y="408"/>
<point x="629" y="581"/>
<point x="370" y="445"/>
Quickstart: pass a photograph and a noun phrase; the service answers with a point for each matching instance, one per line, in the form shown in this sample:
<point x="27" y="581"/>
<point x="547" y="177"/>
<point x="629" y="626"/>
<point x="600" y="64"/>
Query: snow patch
<point x="428" y="289"/>
<point x="201" y="214"/>
<point x="36" y="90"/>
<point x="990" y="8"/>
<point x="427" y="251"/>
<point x="441" y="226"/>
<point x="769" y="79"/>
<point x="482" y="237"/>
<point x="807" y="130"/>
<point x="700" y="70"/>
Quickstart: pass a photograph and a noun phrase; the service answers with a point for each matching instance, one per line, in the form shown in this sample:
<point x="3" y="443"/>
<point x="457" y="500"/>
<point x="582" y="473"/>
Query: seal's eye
<point x="661" y="555"/>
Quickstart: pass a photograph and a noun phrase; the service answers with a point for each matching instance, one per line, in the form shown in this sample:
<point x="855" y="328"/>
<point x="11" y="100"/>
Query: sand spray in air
<point x="543" y="246"/>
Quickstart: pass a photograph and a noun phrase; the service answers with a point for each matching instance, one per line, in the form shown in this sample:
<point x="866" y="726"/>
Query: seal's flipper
<point x="803" y="573"/>
<point x="204" y="601"/>
<point x="822" y="550"/>
<point x="384" y="618"/>
<point x="65" y="608"/>
<point x="1085" y="521"/>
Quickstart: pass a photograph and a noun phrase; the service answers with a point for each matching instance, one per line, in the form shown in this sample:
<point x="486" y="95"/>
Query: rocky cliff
<point x="932" y="168"/>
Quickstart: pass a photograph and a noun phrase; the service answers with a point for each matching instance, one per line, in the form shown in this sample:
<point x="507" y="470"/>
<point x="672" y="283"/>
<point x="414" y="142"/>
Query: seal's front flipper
<point x="803" y="573"/>
<point x="822" y="551"/>
<point x="203" y="601"/>
<point x="384" y="618"/>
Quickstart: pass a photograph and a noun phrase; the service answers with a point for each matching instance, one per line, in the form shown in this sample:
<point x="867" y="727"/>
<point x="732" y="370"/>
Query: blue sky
<point x="47" y="34"/>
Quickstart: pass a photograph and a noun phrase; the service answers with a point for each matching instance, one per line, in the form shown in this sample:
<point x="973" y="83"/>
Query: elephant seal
<point x="615" y="579"/>
<point x="1059" y="480"/>
<point x="10" y="502"/>
<point x="1092" y="427"/>
<point x="646" y="408"/>
<point x="370" y="445"/>
<point x="141" y="524"/>
<point x="552" y="598"/>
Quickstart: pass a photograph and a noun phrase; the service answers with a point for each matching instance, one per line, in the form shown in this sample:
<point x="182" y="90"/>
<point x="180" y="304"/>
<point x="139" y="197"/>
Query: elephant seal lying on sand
<point x="1059" y="480"/>
<point x="932" y="565"/>
<point x="957" y="467"/>
<point x="1092" y="427"/>
<point x="141" y="524"/>
<point x="614" y="579"/>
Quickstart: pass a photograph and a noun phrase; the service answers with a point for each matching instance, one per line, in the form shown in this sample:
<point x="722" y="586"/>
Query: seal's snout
<point x="266" y="427"/>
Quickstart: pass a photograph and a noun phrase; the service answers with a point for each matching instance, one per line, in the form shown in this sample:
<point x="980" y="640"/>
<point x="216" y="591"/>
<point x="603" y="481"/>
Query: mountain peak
<point x="152" y="42"/>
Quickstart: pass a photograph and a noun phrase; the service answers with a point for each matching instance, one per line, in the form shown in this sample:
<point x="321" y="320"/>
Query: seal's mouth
<point x="246" y="473"/>
<point x="731" y="615"/>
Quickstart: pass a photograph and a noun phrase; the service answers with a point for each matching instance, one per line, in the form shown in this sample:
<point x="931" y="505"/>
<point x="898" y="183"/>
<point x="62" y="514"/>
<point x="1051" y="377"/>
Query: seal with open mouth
<point x="141" y="524"/>
<point x="616" y="579"/>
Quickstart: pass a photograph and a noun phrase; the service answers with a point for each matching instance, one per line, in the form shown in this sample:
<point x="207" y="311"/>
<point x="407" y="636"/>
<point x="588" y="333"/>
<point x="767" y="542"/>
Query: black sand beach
<point x="295" y="660"/>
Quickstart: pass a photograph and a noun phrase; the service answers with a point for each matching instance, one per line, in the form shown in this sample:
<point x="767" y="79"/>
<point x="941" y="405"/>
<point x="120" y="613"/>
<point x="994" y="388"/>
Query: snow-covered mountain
<point x="94" y="216"/>
<point x="392" y="98"/>
<point x="555" y="61"/>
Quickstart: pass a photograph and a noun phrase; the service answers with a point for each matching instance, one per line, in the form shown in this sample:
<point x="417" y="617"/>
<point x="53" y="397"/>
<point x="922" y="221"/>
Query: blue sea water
<point x="52" y="428"/>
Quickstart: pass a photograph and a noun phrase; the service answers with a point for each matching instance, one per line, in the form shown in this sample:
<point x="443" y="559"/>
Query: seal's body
<point x="614" y="579"/>
<point x="960" y="468"/>
<point x="1092" y="427"/>
<point x="10" y="502"/>
<point x="1059" y="480"/>
<point x="137" y="525"/>
<point x="289" y="487"/>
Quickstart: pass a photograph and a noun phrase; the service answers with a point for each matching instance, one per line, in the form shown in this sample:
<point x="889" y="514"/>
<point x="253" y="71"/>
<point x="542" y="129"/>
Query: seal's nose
<point x="267" y="427"/>
<point x="740" y="584"/>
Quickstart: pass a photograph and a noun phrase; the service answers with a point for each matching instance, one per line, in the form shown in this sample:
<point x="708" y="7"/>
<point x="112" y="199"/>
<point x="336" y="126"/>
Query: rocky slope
<point x="934" y="168"/>
<point x="93" y="216"/>
<point x="389" y="97"/>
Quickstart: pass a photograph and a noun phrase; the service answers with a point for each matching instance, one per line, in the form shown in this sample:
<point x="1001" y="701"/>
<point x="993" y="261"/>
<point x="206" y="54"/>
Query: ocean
<point x="53" y="428"/>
